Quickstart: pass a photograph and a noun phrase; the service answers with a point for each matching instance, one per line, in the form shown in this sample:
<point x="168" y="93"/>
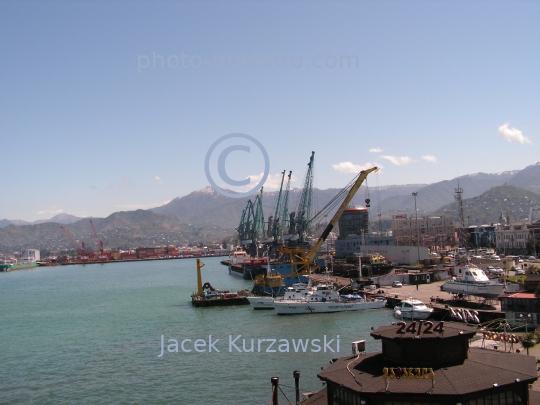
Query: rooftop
<point x="480" y="371"/>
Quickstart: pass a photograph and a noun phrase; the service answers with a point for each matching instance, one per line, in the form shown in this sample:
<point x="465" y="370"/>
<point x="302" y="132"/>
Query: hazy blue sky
<point x="109" y="106"/>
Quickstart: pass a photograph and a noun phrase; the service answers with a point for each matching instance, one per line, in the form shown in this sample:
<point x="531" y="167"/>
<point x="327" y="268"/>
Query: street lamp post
<point x="417" y="230"/>
<point x="526" y="319"/>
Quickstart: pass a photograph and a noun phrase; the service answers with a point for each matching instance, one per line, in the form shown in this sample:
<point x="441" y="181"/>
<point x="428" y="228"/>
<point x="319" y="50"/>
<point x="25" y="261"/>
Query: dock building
<point x="355" y="239"/>
<point x="354" y="233"/>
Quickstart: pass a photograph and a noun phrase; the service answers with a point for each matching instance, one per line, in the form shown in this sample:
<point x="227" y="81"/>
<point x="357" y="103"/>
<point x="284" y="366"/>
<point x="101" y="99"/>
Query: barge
<point x="208" y="296"/>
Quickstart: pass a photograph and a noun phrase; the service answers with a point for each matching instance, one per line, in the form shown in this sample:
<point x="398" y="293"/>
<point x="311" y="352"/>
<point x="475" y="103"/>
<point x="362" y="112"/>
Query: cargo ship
<point x="16" y="266"/>
<point x="28" y="260"/>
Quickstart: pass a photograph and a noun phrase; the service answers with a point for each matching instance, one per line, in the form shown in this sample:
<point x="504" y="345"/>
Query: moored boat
<point x="412" y="309"/>
<point x="295" y="292"/>
<point x="16" y="266"/>
<point x="28" y="260"/>
<point x="324" y="299"/>
<point x="242" y="265"/>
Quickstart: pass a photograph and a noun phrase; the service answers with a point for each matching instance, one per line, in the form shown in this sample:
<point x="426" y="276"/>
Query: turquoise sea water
<point x="92" y="335"/>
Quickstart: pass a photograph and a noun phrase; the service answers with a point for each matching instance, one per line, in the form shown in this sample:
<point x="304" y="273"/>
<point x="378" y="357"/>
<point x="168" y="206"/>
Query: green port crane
<point x="284" y="215"/>
<point x="301" y="218"/>
<point x="278" y="223"/>
<point x="251" y="228"/>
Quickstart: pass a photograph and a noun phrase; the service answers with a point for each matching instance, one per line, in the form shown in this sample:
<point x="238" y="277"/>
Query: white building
<point x="534" y="214"/>
<point x="30" y="256"/>
<point x="512" y="238"/>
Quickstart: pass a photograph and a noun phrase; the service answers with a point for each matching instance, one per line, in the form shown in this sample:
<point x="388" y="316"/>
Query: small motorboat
<point x="412" y="309"/>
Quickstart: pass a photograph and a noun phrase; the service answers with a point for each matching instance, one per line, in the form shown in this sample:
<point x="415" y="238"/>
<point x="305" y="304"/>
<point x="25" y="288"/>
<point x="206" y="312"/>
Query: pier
<point x="431" y="294"/>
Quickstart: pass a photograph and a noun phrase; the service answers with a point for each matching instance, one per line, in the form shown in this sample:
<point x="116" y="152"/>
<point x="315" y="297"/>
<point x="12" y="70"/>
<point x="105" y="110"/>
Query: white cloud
<point x="430" y="158"/>
<point x="52" y="210"/>
<point x="513" y="134"/>
<point x="375" y="150"/>
<point x="272" y="183"/>
<point x="398" y="160"/>
<point x="348" y="167"/>
<point x="158" y="179"/>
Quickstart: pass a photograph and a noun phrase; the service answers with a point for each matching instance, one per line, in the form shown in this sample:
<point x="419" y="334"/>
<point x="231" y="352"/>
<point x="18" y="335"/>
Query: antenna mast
<point x="461" y="231"/>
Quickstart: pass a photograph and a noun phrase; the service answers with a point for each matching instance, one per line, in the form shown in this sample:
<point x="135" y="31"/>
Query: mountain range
<point x="64" y="219"/>
<point x="205" y="215"/>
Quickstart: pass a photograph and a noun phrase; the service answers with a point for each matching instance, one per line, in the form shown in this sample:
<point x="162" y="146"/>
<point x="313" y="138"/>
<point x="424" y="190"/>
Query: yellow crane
<point x="302" y="258"/>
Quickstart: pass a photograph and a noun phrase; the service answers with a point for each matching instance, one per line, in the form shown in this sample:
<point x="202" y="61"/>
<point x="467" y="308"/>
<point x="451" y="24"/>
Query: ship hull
<point x="490" y="291"/>
<point x="10" y="267"/>
<point x="295" y="307"/>
<point x="261" y="302"/>
<point x="416" y="315"/>
<point x="246" y="272"/>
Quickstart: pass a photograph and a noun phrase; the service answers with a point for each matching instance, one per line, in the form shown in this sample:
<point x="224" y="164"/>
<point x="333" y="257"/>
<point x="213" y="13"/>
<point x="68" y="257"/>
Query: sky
<point x="115" y="106"/>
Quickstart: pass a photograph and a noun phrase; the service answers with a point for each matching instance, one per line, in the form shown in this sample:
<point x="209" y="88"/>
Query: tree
<point x="534" y="269"/>
<point x="537" y="295"/>
<point x="528" y="340"/>
<point x="537" y="334"/>
<point x="531" y="245"/>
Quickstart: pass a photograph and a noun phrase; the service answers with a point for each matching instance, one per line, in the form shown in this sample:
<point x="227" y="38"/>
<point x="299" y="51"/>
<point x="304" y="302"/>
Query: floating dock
<point x="215" y="298"/>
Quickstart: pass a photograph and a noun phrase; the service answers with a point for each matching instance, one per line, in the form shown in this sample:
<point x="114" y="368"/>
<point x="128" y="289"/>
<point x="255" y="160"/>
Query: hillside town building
<point x="432" y="231"/>
<point x="513" y="238"/>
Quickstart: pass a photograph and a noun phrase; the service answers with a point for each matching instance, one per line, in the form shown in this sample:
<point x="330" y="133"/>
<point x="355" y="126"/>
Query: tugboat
<point x="215" y="298"/>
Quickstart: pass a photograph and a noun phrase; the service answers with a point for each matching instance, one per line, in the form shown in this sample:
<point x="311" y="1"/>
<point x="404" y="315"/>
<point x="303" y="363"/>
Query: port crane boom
<point x="99" y="243"/>
<point x="361" y="177"/>
<point x="81" y="247"/>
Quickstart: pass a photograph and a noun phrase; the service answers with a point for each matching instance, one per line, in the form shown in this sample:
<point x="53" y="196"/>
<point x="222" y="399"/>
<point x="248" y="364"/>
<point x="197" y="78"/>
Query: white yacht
<point x="325" y="299"/>
<point x="412" y="309"/>
<point x="473" y="281"/>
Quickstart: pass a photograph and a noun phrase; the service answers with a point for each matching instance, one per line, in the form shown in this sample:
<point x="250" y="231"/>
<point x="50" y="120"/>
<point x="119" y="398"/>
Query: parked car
<point x="532" y="258"/>
<point x="519" y="272"/>
<point x="495" y="257"/>
<point x="397" y="284"/>
<point x="497" y="271"/>
<point x="490" y="269"/>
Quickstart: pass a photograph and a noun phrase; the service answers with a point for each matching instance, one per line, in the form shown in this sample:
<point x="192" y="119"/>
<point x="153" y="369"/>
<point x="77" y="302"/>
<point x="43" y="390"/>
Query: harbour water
<point x="92" y="334"/>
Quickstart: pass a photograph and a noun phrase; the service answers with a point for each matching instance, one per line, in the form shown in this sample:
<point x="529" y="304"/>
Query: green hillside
<point x="487" y="208"/>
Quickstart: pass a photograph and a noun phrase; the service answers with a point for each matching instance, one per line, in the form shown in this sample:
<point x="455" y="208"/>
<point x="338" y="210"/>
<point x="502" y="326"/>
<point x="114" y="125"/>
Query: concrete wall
<point x="397" y="254"/>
